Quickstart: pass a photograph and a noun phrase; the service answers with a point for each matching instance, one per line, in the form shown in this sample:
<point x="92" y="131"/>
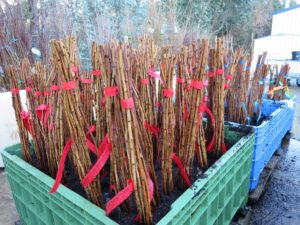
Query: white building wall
<point x="278" y="47"/>
<point x="287" y="22"/>
<point x="284" y="38"/>
<point x="9" y="134"/>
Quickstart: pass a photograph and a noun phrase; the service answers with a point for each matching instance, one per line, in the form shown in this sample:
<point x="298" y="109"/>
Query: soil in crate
<point x="255" y="122"/>
<point x="72" y="181"/>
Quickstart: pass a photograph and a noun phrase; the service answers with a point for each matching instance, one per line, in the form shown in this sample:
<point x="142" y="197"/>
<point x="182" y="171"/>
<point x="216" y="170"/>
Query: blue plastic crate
<point x="280" y="118"/>
<point x="290" y="114"/>
<point x="269" y="134"/>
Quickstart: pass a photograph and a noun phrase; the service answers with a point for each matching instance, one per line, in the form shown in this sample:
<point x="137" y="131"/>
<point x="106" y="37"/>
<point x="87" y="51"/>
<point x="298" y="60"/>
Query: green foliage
<point x="240" y="18"/>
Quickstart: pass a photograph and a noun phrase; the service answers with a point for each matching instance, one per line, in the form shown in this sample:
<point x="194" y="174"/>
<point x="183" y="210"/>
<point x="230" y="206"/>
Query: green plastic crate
<point x="213" y="199"/>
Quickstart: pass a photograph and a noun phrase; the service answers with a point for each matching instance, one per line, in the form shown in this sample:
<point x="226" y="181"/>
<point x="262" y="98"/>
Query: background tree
<point x="27" y="24"/>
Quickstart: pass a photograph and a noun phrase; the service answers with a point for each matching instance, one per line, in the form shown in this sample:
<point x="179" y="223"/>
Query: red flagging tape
<point x="219" y="71"/>
<point x="127" y="103"/>
<point x="120" y="197"/>
<point x="43" y="113"/>
<point x="197" y="151"/>
<point x="111" y="91"/>
<point x="151" y="72"/>
<point x="62" y="161"/>
<point x="61" y="166"/>
<point x="180" y="167"/>
<point x="211" y="143"/>
<point x="27" y="122"/>
<point x="104" y="152"/>
<point x="180" y="80"/>
<point x="97" y="72"/>
<point x="154" y="130"/>
<point x="89" y="144"/>
<point x="15" y="90"/>
<point x="168" y="92"/>
<point x="224" y="148"/>
<point x="28" y="89"/>
<point x="145" y="81"/>
<point x="229" y="77"/>
<point x="137" y="218"/>
<point x="54" y="87"/>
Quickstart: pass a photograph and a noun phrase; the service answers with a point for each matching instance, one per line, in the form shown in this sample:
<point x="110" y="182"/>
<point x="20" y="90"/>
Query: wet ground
<point x="281" y="202"/>
<point x="8" y="212"/>
<point x="280" y="205"/>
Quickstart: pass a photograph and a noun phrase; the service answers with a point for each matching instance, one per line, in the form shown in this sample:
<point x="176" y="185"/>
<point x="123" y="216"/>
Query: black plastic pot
<point x="296" y="55"/>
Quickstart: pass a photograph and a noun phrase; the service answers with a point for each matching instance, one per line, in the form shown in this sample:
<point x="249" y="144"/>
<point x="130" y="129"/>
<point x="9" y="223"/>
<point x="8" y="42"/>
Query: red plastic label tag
<point x="219" y="71"/>
<point x="168" y="92"/>
<point x="197" y="84"/>
<point x="28" y="89"/>
<point x="145" y="81"/>
<point x="15" y="90"/>
<point x="38" y="93"/>
<point x="111" y="91"/>
<point x="70" y="85"/>
<point x="54" y="88"/>
<point x="97" y="72"/>
<point x="229" y="77"/>
<point x="181" y="80"/>
<point x="127" y="103"/>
